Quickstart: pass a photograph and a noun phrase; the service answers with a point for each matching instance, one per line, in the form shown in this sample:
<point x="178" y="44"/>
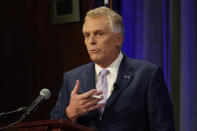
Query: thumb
<point x="75" y="90"/>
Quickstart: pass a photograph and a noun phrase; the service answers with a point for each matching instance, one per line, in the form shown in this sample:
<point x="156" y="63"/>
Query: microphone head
<point x="46" y="93"/>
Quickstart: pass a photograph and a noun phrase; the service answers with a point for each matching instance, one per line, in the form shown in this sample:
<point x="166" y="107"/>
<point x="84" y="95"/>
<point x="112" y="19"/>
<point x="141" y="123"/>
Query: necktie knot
<point x="104" y="72"/>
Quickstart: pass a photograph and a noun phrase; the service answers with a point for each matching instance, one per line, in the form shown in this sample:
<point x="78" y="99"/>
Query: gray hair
<point x="114" y="18"/>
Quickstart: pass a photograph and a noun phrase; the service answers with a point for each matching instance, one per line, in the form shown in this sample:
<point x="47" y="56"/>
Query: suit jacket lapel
<point x="88" y="81"/>
<point x="89" y="78"/>
<point x="123" y="79"/>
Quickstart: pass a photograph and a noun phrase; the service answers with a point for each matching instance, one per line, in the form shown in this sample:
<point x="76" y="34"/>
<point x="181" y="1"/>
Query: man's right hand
<point x="81" y="104"/>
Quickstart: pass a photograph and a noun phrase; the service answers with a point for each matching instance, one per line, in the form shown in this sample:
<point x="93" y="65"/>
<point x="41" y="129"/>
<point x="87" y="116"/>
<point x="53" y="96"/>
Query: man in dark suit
<point x="134" y="96"/>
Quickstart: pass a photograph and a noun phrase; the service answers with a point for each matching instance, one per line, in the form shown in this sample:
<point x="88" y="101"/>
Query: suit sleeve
<point x="160" y="110"/>
<point x="62" y="102"/>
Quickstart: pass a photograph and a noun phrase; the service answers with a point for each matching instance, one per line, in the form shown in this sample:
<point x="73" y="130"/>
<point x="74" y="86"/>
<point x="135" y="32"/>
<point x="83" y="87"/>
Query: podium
<point x="48" y="125"/>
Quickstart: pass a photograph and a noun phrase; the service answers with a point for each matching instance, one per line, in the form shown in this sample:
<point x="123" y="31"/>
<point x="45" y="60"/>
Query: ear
<point x="119" y="39"/>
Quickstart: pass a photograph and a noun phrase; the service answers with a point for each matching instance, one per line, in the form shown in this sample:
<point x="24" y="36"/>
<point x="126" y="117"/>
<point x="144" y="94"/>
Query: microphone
<point x="44" y="94"/>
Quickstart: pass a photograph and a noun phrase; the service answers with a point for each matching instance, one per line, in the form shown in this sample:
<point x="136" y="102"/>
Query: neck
<point x="106" y="64"/>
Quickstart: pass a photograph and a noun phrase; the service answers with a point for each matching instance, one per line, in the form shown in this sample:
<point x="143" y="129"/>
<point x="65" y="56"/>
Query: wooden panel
<point x="36" y="53"/>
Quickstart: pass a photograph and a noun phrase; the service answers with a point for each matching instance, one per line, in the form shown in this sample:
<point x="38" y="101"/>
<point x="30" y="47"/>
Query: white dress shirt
<point x="112" y="75"/>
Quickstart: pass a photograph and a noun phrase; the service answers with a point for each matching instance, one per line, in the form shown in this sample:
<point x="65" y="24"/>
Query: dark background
<point x="36" y="53"/>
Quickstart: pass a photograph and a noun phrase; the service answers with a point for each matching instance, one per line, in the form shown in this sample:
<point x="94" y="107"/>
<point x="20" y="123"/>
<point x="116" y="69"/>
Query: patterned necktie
<point x="102" y="86"/>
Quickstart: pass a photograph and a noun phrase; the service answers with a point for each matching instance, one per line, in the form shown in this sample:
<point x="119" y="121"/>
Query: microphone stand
<point x="27" y="110"/>
<point x="44" y="94"/>
<point x="16" y="111"/>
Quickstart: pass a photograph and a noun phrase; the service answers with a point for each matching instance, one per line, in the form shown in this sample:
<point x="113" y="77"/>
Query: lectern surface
<point x="48" y="125"/>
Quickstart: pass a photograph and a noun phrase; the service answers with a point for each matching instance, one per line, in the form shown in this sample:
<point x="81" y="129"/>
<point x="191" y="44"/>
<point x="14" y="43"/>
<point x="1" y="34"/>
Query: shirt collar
<point x="113" y="67"/>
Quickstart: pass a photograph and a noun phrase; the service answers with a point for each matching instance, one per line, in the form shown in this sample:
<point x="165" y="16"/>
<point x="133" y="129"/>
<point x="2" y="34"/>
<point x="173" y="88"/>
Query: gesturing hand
<point x="81" y="104"/>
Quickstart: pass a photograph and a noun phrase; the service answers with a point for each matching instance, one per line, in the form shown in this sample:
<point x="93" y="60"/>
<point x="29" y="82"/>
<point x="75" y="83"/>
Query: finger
<point x="88" y="94"/>
<point x="75" y="90"/>
<point x="98" y="93"/>
<point x="91" y="103"/>
<point x="95" y="107"/>
<point x="90" y="106"/>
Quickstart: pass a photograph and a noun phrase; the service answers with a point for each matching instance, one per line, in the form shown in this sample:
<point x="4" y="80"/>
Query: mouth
<point x="93" y="51"/>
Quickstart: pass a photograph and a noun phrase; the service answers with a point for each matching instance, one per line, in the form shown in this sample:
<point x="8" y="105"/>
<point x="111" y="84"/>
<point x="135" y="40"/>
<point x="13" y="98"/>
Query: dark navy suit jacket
<point x="139" y="102"/>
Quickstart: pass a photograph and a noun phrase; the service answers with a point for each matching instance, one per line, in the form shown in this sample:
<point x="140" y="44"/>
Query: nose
<point x="92" y="40"/>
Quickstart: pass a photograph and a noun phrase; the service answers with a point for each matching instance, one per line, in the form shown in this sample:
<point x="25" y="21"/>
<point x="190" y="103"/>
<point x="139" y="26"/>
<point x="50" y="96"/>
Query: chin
<point x="95" y="59"/>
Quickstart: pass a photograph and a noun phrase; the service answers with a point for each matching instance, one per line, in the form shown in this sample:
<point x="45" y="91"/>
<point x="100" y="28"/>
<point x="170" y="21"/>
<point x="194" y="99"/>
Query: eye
<point x="86" y="35"/>
<point x="100" y="33"/>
